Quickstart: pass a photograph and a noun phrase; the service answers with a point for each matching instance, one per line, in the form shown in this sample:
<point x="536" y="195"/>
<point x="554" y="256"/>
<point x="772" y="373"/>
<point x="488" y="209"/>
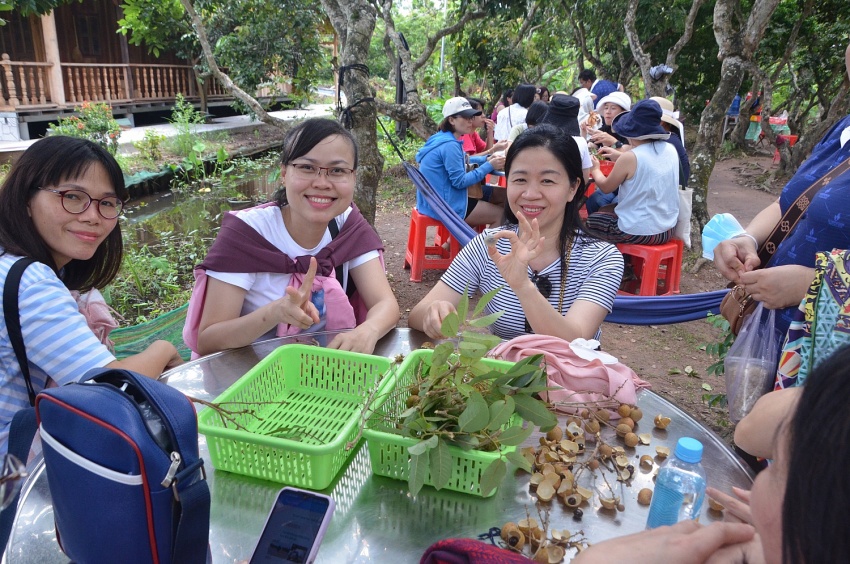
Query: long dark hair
<point x="301" y="139"/>
<point x="49" y="162"/>
<point x="814" y="524"/>
<point x="524" y="95"/>
<point x="563" y="147"/>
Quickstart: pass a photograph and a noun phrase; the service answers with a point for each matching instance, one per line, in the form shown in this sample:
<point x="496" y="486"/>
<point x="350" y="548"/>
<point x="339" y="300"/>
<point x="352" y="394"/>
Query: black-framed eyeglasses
<point x="78" y="201"/>
<point x="544" y="286"/>
<point x="311" y="171"/>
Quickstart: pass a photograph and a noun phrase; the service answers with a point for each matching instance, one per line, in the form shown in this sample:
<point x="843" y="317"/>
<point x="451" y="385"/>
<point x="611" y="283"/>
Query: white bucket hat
<point x="620" y="98"/>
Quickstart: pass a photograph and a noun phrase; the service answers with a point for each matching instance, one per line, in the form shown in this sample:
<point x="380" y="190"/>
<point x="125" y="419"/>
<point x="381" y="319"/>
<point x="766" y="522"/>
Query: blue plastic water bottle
<point x="679" y="487"/>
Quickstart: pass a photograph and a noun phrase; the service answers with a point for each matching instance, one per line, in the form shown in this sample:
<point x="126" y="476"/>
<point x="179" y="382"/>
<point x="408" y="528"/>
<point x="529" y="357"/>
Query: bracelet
<point x="745" y="234"/>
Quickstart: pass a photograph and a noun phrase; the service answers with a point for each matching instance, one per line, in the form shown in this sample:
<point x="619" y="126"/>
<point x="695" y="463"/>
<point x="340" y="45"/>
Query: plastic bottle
<point x="679" y="487"/>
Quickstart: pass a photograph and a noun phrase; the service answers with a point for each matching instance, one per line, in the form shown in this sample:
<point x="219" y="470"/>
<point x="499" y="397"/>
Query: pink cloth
<point x="580" y="380"/>
<point x="98" y="315"/>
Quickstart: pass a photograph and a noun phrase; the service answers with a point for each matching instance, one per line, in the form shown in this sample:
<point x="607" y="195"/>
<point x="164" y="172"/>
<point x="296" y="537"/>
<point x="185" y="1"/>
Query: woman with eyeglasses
<point x="554" y="279"/>
<point x="307" y="262"/>
<point x="59" y="205"/>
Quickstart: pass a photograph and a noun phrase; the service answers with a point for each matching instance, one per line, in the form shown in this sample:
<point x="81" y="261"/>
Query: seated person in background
<point x="599" y="86"/>
<point x="555" y="280"/>
<point x="59" y="205"/>
<point x="609" y="108"/>
<point x="648" y="179"/>
<point x="514" y="114"/>
<point x="543" y="91"/>
<point x="536" y="113"/>
<point x="796" y="506"/>
<point x="261" y="270"/>
<point x="671" y="124"/>
<point x="442" y="162"/>
<point x="563" y="114"/>
<point x="505" y="101"/>
<point x="585" y="99"/>
<point x="473" y="144"/>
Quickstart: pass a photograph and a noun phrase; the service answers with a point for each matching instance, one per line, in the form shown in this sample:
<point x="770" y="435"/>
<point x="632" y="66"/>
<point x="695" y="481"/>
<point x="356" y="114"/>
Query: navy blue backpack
<point x="121" y="454"/>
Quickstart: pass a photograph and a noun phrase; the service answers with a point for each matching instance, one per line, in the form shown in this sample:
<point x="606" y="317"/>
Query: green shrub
<point x="94" y="123"/>
<point x="185" y="119"/>
<point x="150" y="148"/>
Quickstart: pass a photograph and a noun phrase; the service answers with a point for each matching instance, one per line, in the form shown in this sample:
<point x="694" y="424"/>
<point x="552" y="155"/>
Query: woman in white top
<point x="648" y="178"/>
<point x="514" y="114"/>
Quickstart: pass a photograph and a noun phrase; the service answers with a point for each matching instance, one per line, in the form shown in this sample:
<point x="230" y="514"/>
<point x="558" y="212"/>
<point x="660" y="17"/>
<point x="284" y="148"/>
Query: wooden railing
<point x="23" y="83"/>
<point x="95" y="83"/>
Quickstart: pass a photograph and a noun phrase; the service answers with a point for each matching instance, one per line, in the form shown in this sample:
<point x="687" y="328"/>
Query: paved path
<point x="233" y="123"/>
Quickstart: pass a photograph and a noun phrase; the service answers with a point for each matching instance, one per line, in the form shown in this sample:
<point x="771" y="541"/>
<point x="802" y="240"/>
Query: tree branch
<point x="432" y="41"/>
<point x="228" y="84"/>
<point x="687" y="33"/>
<point x="526" y="23"/>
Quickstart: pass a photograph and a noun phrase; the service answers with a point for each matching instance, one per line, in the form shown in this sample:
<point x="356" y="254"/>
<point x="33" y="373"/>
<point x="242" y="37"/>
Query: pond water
<point x="191" y="211"/>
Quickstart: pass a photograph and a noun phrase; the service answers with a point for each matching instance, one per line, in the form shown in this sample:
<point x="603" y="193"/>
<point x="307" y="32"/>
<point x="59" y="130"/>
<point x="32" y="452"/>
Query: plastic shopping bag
<point x="720" y="227"/>
<point x="683" y="223"/>
<point x="750" y="364"/>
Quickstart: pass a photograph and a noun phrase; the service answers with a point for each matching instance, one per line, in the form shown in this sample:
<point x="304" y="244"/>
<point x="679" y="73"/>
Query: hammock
<point x="167" y="327"/>
<point x="628" y="310"/>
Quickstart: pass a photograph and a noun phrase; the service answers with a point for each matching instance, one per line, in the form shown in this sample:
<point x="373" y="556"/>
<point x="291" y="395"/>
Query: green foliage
<point x="457" y="399"/>
<point x="159" y="25"/>
<point x="718" y="350"/>
<point x="150" y="148"/>
<point x="185" y="119"/>
<point x="94" y="123"/>
<point x="4" y="171"/>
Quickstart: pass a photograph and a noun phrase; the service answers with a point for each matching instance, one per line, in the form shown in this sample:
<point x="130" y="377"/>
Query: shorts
<point x="470" y="205"/>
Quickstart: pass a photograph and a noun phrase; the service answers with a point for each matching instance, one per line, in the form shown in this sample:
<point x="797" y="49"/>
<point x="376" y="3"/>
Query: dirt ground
<point x="670" y="357"/>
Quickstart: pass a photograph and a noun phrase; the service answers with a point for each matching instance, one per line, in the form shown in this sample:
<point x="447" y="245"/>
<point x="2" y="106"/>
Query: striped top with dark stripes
<point x="594" y="274"/>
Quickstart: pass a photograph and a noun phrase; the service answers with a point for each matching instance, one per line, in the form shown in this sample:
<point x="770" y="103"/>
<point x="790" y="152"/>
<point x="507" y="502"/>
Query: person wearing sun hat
<point x="443" y="163"/>
<point x="671" y="123"/>
<point x="609" y="108"/>
<point x="563" y="114"/>
<point x="647" y="176"/>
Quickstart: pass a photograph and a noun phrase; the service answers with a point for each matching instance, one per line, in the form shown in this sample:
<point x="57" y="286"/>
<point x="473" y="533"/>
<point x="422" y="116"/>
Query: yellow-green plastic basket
<point x="388" y="451"/>
<point x="316" y="395"/>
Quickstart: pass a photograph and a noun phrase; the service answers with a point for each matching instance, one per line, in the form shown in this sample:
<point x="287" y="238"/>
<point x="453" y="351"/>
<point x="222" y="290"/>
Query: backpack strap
<point x="13" y="319"/>
<point x="23" y="426"/>
<point x="351" y="287"/>
<point x="193" y="523"/>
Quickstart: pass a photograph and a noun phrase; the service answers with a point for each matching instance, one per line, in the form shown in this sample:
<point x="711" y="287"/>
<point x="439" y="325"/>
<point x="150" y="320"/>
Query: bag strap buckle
<point x="742" y="298"/>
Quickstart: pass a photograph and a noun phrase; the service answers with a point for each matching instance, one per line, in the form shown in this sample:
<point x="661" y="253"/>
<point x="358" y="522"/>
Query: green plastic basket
<point x="388" y="451"/>
<point x="308" y="401"/>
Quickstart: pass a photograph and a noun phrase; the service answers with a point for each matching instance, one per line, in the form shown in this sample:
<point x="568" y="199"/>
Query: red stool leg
<point x="418" y="262"/>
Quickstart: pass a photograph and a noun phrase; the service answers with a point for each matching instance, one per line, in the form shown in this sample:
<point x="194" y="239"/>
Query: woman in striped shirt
<point x="60" y="206"/>
<point x="555" y="279"/>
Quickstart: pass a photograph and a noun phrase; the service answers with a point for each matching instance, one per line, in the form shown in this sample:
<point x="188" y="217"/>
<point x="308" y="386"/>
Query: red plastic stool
<point x="421" y="256"/>
<point x="658" y="267"/>
<point x="781" y="140"/>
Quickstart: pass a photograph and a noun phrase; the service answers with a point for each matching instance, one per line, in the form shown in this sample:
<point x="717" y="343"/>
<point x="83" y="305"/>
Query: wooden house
<point x="51" y="64"/>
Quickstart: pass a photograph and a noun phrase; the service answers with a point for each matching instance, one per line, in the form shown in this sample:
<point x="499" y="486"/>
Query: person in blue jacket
<point x="443" y="163"/>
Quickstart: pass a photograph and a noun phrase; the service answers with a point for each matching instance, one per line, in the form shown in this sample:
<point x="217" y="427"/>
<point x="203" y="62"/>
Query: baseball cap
<point x="459" y="106"/>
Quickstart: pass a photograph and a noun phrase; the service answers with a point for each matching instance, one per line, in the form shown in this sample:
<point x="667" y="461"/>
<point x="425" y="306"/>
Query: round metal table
<point x="376" y="519"/>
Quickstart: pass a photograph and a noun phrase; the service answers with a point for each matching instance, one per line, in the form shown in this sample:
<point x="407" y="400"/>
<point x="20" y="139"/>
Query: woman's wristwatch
<point x="618" y="145"/>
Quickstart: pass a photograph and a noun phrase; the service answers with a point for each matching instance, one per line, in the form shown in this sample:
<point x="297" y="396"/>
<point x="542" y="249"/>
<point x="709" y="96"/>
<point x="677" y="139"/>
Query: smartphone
<point x="294" y="528"/>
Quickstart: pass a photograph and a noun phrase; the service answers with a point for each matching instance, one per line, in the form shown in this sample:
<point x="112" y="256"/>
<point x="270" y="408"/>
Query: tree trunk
<point x="737" y="46"/>
<point x="354" y="22"/>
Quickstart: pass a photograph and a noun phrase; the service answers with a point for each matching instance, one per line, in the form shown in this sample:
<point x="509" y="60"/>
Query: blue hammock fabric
<point x="628" y="310"/>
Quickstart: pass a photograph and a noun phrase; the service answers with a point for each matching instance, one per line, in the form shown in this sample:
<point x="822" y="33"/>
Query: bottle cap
<point x="689" y="450"/>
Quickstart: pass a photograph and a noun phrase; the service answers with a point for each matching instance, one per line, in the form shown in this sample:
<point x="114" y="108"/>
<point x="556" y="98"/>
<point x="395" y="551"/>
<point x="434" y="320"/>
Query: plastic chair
<point x="421" y="256"/>
<point x="658" y="268"/>
<point x="781" y="140"/>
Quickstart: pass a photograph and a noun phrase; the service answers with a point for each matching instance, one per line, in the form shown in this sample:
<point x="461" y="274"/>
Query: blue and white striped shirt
<point x="59" y="343"/>
<point x="594" y="274"/>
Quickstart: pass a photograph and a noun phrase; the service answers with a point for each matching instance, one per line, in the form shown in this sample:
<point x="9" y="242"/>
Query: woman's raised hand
<point x="525" y="247"/>
<point x="434" y="316"/>
<point x="296" y="308"/>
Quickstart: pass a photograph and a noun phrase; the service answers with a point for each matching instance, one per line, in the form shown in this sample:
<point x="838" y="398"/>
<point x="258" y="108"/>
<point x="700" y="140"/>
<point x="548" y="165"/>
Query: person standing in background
<point x="600" y="87"/>
<point x="515" y="113"/>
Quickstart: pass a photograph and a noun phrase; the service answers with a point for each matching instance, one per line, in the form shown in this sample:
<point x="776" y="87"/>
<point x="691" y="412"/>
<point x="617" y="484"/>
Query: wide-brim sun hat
<point x="620" y="98"/>
<point x="642" y="122"/>
<point x="459" y="107"/>
<point x="668" y="114"/>
<point x="563" y="113"/>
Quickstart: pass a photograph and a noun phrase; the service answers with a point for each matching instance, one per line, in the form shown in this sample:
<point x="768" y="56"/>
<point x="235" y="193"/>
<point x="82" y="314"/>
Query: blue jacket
<point x="441" y="161"/>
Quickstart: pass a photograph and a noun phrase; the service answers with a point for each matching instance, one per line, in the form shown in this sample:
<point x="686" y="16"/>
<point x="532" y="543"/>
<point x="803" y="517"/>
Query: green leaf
<point x="462" y="308"/>
<point x="484" y="300"/>
<point x="500" y="412"/>
<point x="476" y="415"/>
<point x="493" y="476"/>
<point x="485" y="339"/>
<point x="472" y="351"/>
<point x="487" y="320"/>
<point x="441" y="354"/>
<point x="441" y="465"/>
<point x="518" y="460"/>
<point x="418" y="448"/>
<point x="418" y="469"/>
<point x="706" y="386"/>
<point x="515" y="436"/>
<point x="535" y="411"/>
<point x="450" y="325"/>
<point x="462" y="387"/>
